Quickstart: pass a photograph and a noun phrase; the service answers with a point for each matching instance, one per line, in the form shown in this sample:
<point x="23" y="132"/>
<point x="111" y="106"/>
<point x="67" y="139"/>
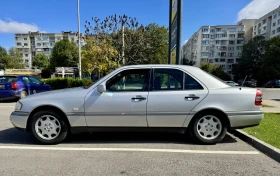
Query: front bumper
<point x="245" y="119"/>
<point x="19" y="119"/>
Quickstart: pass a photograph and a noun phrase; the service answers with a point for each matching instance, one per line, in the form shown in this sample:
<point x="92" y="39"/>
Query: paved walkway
<point x="274" y="106"/>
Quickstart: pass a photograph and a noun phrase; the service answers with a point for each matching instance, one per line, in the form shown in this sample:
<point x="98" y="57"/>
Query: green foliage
<point x="15" y="59"/>
<point x="215" y="70"/>
<point x="41" y="61"/>
<point x="62" y="83"/>
<point x="142" y="44"/>
<point x="64" y="54"/>
<point x="271" y="59"/>
<point x="4" y="57"/>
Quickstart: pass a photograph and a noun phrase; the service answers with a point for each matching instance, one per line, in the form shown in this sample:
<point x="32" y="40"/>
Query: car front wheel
<point x="208" y="128"/>
<point x="48" y="127"/>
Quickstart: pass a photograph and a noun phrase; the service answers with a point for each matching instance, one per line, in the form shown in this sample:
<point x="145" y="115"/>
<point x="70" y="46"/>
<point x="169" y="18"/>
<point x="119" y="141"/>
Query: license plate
<point x="2" y="86"/>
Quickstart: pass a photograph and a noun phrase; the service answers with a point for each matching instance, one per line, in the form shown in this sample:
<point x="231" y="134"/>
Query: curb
<point x="263" y="147"/>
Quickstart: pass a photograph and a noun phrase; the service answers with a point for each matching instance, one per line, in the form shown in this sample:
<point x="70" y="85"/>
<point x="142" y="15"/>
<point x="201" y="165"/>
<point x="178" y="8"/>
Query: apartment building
<point x="268" y="25"/>
<point x="220" y="45"/>
<point x="34" y="43"/>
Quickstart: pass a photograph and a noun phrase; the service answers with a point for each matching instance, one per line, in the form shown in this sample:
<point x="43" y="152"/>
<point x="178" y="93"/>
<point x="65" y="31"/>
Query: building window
<point x="231" y="35"/>
<point x="238" y="48"/>
<point x="264" y="28"/>
<point x="216" y="60"/>
<point x="204" y="54"/>
<point x="25" y="44"/>
<point x="203" y="30"/>
<point x="255" y="33"/>
<point x="274" y="24"/>
<point x="18" y="44"/>
<point x="275" y="16"/>
<point x="45" y="38"/>
<point x="278" y="29"/>
<point x="38" y="38"/>
<point x="205" y="42"/>
<point x="205" y="48"/>
<point x="224" y="48"/>
<point x="279" y="13"/>
<point x="255" y="26"/>
<point x="39" y="44"/>
<point x="259" y="31"/>
<point x="229" y="66"/>
<point x="25" y="39"/>
<point x="230" y="54"/>
<point x="240" y="35"/>
<point x="278" y="21"/>
<point x="259" y="25"/>
<point x="58" y="38"/>
<point x="212" y="36"/>
<point x="45" y="44"/>
<point x="26" y="60"/>
<point x="223" y="54"/>
<point x="212" y="30"/>
<point x="218" y="30"/>
<point x="222" y="60"/>
<point x="205" y="36"/>
<point x="232" y="29"/>
<point x="264" y="21"/>
<point x="218" y="42"/>
<point x="231" y="48"/>
<point x="240" y="41"/>
<point x="26" y="55"/>
<point x="212" y="42"/>
<point x="231" y="42"/>
<point x="223" y="42"/>
<point x="240" y="29"/>
<point x="230" y="61"/>
<point x="273" y="32"/>
<point x="224" y="35"/>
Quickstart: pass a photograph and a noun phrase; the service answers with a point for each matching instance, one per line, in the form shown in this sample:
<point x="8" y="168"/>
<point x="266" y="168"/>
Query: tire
<point x="215" y="127"/>
<point x="23" y="94"/>
<point x="48" y="127"/>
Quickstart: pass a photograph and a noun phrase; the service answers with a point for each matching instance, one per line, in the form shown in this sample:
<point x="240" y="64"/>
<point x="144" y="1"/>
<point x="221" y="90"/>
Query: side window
<point x="168" y="79"/>
<point x="129" y="80"/>
<point x="191" y="84"/>
<point x="25" y="80"/>
<point x="35" y="80"/>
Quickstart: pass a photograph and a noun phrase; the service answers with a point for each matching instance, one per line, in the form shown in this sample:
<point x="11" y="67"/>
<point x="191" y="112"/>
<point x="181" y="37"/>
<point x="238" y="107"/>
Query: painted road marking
<point x="7" y="106"/>
<point x="131" y="150"/>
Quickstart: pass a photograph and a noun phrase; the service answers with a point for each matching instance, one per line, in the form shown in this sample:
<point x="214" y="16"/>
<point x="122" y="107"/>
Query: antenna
<point x="243" y="82"/>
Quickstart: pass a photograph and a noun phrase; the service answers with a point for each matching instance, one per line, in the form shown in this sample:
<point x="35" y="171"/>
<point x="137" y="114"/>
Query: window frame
<point x="34" y="78"/>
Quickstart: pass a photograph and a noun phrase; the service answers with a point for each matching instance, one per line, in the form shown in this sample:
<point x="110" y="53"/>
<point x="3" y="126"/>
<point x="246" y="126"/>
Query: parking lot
<point x="126" y="154"/>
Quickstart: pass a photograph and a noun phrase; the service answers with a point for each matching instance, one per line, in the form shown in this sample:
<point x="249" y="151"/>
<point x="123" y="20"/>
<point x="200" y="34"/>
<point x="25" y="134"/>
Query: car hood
<point x="56" y="93"/>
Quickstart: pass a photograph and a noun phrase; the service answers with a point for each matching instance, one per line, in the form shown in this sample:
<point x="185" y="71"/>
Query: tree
<point x="142" y="44"/>
<point x="64" y="54"/>
<point x="100" y="56"/>
<point x="188" y="62"/>
<point x="271" y="60"/>
<point x="15" y="59"/>
<point x="3" y="58"/>
<point x="41" y="61"/>
<point x="215" y="70"/>
<point x="251" y="59"/>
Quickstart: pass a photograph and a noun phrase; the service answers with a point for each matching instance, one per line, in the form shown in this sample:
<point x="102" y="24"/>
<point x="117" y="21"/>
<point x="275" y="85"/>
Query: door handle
<point x="138" y="98"/>
<point x="191" y="97"/>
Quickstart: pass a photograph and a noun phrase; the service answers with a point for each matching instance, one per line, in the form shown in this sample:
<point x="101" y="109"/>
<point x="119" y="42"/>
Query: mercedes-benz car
<point x="142" y="97"/>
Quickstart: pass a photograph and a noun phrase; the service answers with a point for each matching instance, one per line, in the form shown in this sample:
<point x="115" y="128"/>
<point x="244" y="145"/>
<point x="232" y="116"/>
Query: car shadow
<point x="15" y="136"/>
<point x="276" y="99"/>
<point x="8" y="100"/>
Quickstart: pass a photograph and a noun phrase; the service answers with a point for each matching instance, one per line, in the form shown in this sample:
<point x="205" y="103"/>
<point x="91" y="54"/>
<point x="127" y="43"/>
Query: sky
<point x="54" y="16"/>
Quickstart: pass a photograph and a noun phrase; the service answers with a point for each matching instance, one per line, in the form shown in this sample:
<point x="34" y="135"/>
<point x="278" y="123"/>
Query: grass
<point x="268" y="131"/>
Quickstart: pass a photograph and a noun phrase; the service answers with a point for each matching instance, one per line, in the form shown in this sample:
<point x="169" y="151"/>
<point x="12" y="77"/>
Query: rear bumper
<point x="245" y="119"/>
<point x="19" y="119"/>
<point x="9" y="93"/>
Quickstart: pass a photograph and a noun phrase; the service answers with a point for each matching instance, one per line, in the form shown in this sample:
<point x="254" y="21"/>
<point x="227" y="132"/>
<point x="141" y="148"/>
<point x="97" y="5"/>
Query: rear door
<point x="174" y="94"/>
<point x="36" y="85"/>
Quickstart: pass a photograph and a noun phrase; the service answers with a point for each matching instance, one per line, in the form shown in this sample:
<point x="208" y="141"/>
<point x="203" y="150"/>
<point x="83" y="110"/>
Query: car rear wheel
<point x="23" y="94"/>
<point x="48" y="127"/>
<point x="208" y="128"/>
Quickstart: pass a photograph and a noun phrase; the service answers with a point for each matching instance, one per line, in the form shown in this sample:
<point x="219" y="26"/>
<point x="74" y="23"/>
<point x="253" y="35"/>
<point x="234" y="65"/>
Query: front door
<point x="124" y="102"/>
<point x="174" y="94"/>
<point x="36" y="85"/>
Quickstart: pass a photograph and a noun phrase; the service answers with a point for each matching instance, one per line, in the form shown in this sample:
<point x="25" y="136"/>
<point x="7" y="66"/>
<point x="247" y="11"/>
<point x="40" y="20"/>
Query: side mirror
<point x="101" y="88"/>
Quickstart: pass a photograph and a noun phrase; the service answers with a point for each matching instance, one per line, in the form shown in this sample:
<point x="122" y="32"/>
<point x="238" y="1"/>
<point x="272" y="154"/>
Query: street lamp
<point x="79" y="39"/>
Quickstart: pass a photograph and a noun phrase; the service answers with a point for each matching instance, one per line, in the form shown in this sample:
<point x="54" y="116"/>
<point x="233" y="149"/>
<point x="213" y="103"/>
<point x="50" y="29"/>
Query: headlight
<point x="18" y="106"/>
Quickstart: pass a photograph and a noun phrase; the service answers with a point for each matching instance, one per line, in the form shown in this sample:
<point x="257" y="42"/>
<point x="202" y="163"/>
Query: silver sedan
<point x="143" y="97"/>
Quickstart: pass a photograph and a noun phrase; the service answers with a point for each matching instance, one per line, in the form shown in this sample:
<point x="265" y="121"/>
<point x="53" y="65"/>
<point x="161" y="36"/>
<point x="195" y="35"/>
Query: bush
<point x="62" y="83"/>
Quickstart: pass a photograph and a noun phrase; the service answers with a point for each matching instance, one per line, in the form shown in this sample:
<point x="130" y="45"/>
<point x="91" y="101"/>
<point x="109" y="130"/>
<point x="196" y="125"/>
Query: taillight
<point x="258" y="99"/>
<point x="14" y="86"/>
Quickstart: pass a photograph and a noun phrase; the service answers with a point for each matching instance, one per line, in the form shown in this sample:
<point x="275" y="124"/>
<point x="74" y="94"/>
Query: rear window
<point x="7" y="79"/>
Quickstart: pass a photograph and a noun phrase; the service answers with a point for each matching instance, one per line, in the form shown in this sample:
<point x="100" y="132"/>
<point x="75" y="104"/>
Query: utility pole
<point x="79" y="40"/>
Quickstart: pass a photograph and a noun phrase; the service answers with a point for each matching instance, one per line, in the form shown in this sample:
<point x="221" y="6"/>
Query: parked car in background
<point x="17" y="87"/>
<point x="143" y="97"/>
<point x="250" y="84"/>
<point x="272" y="84"/>
<point x="231" y="83"/>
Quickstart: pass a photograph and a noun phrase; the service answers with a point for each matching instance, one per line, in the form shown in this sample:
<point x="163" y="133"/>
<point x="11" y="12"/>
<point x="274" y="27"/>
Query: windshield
<point x="7" y="79"/>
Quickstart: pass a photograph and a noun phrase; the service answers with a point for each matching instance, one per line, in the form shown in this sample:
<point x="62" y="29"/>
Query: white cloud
<point x="10" y="26"/>
<point x="186" y="41"/>
<point x="257" y="9"/>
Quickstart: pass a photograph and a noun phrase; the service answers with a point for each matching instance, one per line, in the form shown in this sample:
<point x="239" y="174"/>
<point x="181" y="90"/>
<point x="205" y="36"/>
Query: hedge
<point x="62" y="83"/>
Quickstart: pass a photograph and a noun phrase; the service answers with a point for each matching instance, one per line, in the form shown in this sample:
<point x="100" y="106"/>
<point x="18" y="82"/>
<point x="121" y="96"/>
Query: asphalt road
<point x="126" y="154"/>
